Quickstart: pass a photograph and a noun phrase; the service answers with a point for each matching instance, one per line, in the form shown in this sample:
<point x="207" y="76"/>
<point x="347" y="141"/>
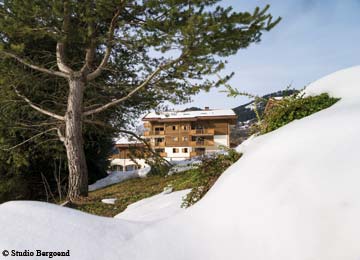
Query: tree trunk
<point x="74" y="144"/>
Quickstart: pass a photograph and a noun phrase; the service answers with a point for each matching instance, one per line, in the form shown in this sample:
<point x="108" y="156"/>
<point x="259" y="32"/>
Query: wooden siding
<point x="199" y="133"/>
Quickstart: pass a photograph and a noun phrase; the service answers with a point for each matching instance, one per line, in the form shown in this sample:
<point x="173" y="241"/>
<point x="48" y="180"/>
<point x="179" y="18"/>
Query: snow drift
<point x="155" y="208"/>
<point x="294" y="194"/>
<point x="117" y="176"/>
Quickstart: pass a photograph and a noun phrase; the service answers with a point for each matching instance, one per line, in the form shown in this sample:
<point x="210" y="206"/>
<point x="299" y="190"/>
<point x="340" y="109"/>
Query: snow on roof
<point x="126" y="140"/>
<point x="191" y="114"/>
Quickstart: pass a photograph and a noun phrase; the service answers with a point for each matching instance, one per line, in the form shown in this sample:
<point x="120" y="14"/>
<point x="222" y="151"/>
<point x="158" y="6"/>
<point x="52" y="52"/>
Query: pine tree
<point x="130" y="49"/>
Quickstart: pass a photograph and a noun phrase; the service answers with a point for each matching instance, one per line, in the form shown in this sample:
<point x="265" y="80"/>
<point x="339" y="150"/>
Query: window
<point x="185" y="127"/>
<point x="174" y="127"/>
<point x="185" y="150"/>
<point x="175" y="150"/>
<point x="185" y="138"/>
<point x="115" y="150"/>
<point x="175" y="138"/>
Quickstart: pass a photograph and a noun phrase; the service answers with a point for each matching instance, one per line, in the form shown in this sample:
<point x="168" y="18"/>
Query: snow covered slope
<point x="294" y="195"/>
<point x="37" y="225"/>
<point x="155" y="208"/>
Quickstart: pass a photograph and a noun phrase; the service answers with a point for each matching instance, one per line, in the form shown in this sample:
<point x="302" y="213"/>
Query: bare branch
<point x="90" y="50"/>
<point x="131" y="93"/>
<point x="60" y="54"/>
<point x="108" y="49"/>
<point x="41" y="110"/>
<point x="28" y="140"/>
<point x="89" y="57"/>
<point x="61" y="136"/>
<point x="35" y="67"/>
<point x="60" y="46"/>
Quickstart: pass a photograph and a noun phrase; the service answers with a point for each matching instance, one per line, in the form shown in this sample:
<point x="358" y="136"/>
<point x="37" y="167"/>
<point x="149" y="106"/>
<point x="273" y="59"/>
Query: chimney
<point x="207" y="108"/>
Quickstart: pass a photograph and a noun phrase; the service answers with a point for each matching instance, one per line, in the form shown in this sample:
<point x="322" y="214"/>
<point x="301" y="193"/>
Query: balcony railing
<point x="209" y="131"/>
<point x="159" y="144"/>
<point x="202" y="143"/>
<point x="149" y="133"/>
<point x="170" y="143"/>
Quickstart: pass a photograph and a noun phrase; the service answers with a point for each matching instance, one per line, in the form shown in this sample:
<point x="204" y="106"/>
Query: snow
<point x="38" y="225"/>
<point x="118" y="176"/>
<point x="126" y="140"/>
<point x="109" y="201"/>
<point x="155" y="208"/>
<point x="294" y="194"/>
<point x="184" y="165"/>
<point x="191" y="114"/>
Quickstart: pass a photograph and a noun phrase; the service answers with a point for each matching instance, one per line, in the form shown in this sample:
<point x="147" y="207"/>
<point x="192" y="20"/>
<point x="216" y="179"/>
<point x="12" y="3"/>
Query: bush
<point x="207" y="174"/>
<point x="294" y="107"/>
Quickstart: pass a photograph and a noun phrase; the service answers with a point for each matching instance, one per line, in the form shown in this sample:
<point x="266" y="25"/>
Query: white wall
<point x="180" y="154"/>
<point x="221" y="140"/>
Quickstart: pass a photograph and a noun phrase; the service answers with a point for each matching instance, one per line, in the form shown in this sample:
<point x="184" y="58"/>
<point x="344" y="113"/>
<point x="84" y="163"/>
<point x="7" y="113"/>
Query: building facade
<point x="124" y="157"/>
<point x="183" y="135"/>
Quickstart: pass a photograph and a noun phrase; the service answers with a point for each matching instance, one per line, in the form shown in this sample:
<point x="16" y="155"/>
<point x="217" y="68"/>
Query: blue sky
<point x="315" y="38"/>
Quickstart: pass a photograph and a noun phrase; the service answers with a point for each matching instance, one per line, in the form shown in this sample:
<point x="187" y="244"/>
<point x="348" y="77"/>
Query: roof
<point x="125" y="141"/>
<point x="201" y="114"/>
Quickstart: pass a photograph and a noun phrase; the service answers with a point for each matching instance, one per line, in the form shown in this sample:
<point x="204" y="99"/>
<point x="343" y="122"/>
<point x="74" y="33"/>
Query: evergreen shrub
<point x="207" y="174"/>
<point x="294" y="107"/>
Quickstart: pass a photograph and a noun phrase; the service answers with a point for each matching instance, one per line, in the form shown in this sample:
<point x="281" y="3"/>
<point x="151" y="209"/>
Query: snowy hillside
<point x="294" y="195"/>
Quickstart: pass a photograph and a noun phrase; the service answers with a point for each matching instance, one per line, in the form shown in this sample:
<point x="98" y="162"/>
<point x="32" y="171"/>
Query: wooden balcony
<point x="209" y="131"/>
<point x="159" y="144"/>
<point x="177" y="143"/>
<point x="202" y="143"/>
<point x="150" y="133"/>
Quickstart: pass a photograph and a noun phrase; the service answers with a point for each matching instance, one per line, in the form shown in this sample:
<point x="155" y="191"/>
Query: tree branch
<point x="131" y="93"/>
<point x="108" y="49"/>
<point x="61" y="136"/>
<point x="39" y="109"/>
<point x="28" y="140"/>
<point x="35" y="67"/>
<point x="60" y="60"/>
<point x="60" y="45"/>
<point x="90" y="50"/>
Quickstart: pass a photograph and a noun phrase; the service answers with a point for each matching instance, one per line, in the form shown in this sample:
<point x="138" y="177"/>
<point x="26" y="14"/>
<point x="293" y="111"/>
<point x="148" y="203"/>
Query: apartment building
<point x="183" y="135"/>
<point x="124" y="157"/>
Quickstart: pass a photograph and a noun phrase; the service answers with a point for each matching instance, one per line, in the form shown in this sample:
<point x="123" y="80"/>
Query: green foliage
<point x="204" y="177"/>
<point x="204" y="32"/>
<point x="294" y="107"/>
<point x="158" y="167"/>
